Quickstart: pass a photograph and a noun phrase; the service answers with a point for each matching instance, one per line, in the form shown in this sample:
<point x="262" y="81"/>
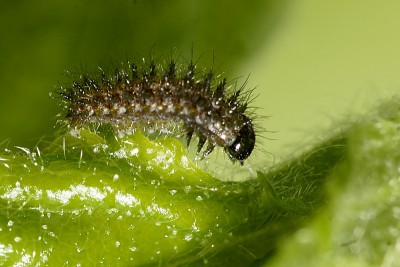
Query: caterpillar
<point x="161" y="94"/>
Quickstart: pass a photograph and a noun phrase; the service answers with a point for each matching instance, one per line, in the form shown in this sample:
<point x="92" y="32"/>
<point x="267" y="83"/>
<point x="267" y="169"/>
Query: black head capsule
<point x="244" y="143"/>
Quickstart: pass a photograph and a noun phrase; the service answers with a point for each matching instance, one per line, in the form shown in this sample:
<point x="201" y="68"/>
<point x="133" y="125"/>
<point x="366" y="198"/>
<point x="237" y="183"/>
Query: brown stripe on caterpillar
<point x="158" y="93"/>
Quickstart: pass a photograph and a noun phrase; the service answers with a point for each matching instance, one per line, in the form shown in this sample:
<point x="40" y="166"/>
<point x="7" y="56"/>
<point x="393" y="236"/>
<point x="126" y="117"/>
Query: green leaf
<point x="95" y="198"/>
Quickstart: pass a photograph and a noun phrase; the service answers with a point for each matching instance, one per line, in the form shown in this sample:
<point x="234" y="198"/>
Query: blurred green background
<point x="40" y="40"/>
<point x="312" y="61"/>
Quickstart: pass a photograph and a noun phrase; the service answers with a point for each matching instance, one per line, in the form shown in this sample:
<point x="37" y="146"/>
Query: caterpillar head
<point x="244" y="143"/>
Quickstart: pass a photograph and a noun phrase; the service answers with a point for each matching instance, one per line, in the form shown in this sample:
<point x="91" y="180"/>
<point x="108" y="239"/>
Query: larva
<point x="157" y="94"/>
